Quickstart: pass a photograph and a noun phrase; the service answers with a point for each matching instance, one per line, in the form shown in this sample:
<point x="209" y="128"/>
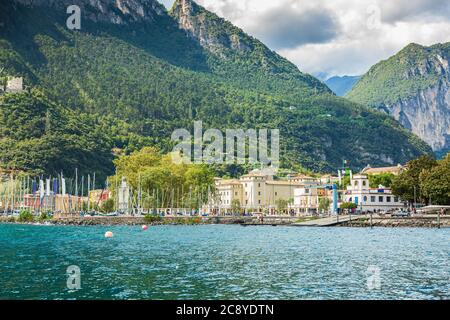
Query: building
<point x="395" y="170"/>
<point x="123" y="197"/>
<point x="14" y="84"/>
<point x="370" y="199"/>
<point x="56" y="203"/>
<point x="259" y="191"/>
<point x="100" y="196"/>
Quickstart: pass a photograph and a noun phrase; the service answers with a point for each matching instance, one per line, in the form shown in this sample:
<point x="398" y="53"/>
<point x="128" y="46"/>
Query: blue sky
<point x="337" y="37"/>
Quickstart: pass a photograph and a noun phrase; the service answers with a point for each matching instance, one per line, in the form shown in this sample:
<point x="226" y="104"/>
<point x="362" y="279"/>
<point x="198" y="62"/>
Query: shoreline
<point x="357" y="222"/>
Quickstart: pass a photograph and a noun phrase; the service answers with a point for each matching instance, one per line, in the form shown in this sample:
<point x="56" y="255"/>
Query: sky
<point x="337" y="37"/>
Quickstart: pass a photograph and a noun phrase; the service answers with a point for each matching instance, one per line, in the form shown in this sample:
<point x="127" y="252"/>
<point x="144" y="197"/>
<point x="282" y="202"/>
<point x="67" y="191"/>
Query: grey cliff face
<point x="427" y="114"/>
<point x="193" y="19"/>
<point x="112" y="11"/>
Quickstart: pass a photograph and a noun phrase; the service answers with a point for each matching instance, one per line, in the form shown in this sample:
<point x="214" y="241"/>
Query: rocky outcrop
<point x="413" y="87"/>
<point x="427" y="114"/>
<point x="112" y="11"/>
<point x="209" y="29"/>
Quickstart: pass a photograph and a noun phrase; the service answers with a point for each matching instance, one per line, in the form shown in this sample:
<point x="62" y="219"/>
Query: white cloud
<point x="338" y="36"/>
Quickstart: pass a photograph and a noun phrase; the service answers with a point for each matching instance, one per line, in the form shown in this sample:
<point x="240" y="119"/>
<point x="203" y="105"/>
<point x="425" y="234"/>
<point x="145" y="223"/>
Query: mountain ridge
<point x="155" y="78"/>
<point x="413" y="87"/>
<point x="341" y="85"/>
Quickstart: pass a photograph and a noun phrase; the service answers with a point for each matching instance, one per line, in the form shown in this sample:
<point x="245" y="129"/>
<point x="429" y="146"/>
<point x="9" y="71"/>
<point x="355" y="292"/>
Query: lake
<point x="224" y="262"/>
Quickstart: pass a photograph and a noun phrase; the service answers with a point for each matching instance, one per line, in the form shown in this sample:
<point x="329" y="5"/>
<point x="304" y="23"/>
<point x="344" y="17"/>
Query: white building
<point x="258" y="191"/>
<point x="14" y="85"/>
<point x="370" y="199"/>
<point x="123" y="197"/>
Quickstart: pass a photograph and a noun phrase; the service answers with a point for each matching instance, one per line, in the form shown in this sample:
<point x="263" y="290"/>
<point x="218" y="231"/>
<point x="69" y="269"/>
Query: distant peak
<point x="412" y="47"/>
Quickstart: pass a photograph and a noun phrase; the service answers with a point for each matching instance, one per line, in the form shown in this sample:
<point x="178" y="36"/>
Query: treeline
<point x="425" y="180"/>
<point x="156" y="181"/>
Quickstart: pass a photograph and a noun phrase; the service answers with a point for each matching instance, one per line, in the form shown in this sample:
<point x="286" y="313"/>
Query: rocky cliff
<point x="114" y="11"/>
<point x="413" y="87"/>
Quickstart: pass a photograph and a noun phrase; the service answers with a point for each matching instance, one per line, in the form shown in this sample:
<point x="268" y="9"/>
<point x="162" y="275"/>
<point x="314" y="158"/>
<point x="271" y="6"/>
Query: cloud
<point x="410" y="10"/>
<point x="339" y="37"/>
<point x="167" y="3"/>
<point x="286" y="27"/>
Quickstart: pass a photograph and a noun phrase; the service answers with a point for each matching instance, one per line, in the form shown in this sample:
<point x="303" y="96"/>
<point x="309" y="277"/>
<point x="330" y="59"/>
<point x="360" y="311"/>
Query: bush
<point x="152" y="218"/>
<point x="44" y="216"/>
<point x="26" y="216"/>
<point x="348" y="205"/>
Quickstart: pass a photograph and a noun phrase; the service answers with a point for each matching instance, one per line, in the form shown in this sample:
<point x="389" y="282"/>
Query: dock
<point x="326" y="222"/>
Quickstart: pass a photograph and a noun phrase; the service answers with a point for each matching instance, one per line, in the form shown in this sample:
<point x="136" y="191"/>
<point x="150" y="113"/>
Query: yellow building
<point x="395" y="170"/>
<point x="258" y="191"/>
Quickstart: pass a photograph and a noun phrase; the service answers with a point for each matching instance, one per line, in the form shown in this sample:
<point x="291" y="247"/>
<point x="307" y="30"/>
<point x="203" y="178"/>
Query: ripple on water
<point x="224" y="262"/>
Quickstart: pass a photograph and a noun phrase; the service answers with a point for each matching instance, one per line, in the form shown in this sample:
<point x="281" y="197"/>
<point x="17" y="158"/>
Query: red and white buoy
<point x="109" y="234"/>
<point x="144" y="227"/>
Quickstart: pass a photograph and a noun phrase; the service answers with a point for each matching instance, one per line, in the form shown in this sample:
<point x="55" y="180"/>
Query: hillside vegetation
<point x="140" y="80"/>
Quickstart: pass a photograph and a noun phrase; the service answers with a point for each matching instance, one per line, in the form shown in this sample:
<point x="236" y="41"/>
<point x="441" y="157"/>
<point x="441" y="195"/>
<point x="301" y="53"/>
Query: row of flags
<point x="345" y="172"/>
<point x="44" y="190"/>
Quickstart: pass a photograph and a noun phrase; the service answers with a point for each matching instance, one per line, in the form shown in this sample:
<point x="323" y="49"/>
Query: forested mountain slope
<point x="132" y="64"/>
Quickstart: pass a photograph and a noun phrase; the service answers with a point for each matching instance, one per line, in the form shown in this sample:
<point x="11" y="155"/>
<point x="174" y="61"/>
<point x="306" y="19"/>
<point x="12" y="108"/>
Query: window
<point x="356" y="183"/>
<point x="350" y="199"/>
<point x="235" y="193"/>
<point x="259" y="201"/>
<point x="396" y="199"/>
<point x="276" y="193"/>
<point x="365" y="199"/>
<point x="259" y="193"/>
<point x="364" y="183"/>
<point x="306" y="190"/>
<point x="373" y="199"/>
<point x="259" y="185"/>
<point x="388" y="199"/>
<point x="380" y="199"/>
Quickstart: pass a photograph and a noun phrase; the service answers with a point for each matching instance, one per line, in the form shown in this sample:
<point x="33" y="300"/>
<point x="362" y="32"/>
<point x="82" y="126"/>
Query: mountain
<point x="412" y="87"/>
<point x="342" y="85"/>
<point x="142" y="72"/>
<point x="41" y="136"/>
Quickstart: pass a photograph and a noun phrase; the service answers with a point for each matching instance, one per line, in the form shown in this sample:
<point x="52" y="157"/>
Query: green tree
<point x="407" y="183"/>
<point x="107" y="206"/>
<point x="324" y="204"/>
<point x="384" y="179"/>
<point x="435" y="183"/>
<point x="170" y="184"/>
<point x="348" y="205"/>
<point x="236" y="206"/>
<point x="282" y="205"/>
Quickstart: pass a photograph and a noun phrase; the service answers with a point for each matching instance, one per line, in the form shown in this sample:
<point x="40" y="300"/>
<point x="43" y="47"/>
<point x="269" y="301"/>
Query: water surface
<point x="223" y="262"/>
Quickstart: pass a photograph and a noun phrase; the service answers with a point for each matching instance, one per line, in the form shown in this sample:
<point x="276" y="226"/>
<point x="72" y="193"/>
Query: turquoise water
<point x="223" y="262"/>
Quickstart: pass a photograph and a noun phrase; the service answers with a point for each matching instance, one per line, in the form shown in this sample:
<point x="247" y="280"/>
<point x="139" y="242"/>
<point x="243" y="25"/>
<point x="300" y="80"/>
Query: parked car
<point x="401" y="214"/>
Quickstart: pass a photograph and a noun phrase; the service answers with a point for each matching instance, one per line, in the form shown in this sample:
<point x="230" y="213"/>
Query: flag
<point x="41" y="188"/>
<point x="55" y="186"/>
<point x="63" y="186"/>
<point x="34" y="187"/>
<point x="47" y="189"/>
